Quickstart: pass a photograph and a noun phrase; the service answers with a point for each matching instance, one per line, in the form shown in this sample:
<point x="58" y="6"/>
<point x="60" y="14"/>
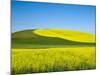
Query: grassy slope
<point x="28" y="39"/>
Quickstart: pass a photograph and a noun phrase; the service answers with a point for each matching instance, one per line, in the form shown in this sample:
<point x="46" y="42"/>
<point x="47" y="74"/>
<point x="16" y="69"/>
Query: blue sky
<point x="36" y="15"/>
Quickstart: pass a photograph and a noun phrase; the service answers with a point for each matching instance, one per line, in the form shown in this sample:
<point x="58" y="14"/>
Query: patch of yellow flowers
<point x="52" y="59"/>
<point x="67" y="34"/>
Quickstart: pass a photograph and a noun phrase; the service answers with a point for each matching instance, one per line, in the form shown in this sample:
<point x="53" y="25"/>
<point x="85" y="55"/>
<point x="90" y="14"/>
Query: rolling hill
<point x="67" y="35"/>
<point x="37" y="38"/>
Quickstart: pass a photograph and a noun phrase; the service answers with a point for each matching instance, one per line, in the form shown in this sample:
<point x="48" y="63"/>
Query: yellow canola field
<point x="52" y="59"/>
<point x="67" y="34"/>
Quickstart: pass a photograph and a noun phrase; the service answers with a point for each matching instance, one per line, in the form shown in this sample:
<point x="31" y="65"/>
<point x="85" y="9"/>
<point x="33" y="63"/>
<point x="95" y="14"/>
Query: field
<point x="52" y="59"/>
<point x="67" y="35"/>
<point x="52" y="50"/>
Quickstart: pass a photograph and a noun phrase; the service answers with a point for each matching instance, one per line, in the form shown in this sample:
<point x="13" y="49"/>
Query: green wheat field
<point x="52" y="50"/>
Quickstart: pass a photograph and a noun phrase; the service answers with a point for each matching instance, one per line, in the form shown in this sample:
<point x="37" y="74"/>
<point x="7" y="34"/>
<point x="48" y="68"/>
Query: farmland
<point x="52" y="59"/>
<point x="35" y="51"/>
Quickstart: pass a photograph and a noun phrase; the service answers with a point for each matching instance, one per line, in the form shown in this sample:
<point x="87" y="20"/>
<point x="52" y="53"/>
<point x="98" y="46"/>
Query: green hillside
<point x="28" y="39"/>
